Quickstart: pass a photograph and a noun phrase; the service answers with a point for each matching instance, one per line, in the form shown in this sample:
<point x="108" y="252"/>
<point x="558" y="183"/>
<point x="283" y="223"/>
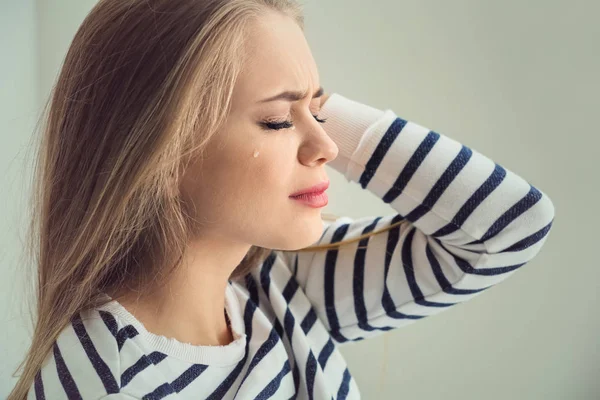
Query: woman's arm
<point x="468" y="224"/>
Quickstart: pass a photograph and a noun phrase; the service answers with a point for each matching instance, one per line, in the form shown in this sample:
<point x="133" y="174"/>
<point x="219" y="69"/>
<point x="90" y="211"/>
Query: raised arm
<point x="468" y="224"/>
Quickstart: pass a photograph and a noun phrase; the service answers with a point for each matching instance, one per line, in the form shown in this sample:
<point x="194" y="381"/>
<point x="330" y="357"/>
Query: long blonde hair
<point x="142" y="89"/>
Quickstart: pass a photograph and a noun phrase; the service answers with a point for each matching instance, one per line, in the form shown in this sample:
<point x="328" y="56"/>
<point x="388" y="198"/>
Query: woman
<point x="177" y="258"/>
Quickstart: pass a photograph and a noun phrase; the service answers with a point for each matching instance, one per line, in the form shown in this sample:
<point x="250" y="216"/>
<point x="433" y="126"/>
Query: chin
<point x="305" y="236"/>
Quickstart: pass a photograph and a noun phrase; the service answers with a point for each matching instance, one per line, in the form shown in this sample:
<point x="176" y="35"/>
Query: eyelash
<point x="286" y="124"/>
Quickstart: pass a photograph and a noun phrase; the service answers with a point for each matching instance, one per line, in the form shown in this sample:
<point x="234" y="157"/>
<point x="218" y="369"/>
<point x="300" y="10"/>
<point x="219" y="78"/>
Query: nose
<point x="317" y="148"/>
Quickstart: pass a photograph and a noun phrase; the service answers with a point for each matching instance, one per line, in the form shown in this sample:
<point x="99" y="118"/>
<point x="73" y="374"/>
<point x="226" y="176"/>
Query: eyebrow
<point x="291" y="95"/>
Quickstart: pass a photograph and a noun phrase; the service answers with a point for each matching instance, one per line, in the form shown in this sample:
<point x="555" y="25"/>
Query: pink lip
<point x="314" y="196"/>
<point x="315" y="200"/>
<point x="313" y="190"/>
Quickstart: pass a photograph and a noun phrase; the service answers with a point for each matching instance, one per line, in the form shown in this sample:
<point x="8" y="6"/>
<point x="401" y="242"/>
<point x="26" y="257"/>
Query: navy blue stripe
<point x="442" y="184"/>
<point x="263" y="350"/>
<point x="66" y="380"/>
<point x="386" y="300"/>
<point x="530" y="240"/>
<point x="105" y="374"/>
<point x="272" y="387"/>
<point x="224" y="387"/>
<point x="465" y="266"/>
<point x="249" y="310"/>
<point x="476" y="241"/>
<point x="162" y="391"/>
<point x="289" y="322"/>
<point x="180" y="383"/>
<point x="358" y="281"/>
<point x="109" y="321"/>
<point x="390" y="248"/>
<point x="528" y="201"/>
<point x="290" y="290"/>
<point x="441" y="278"/>
<point x="296" y="377"/>
<point x="491" y="183"/>
<point x="156" y="356"/>
<point x="309" y="320"/>
<point x="278" y="327"/>
<point x="132" y="371"/>
<point x="468" y="268"/>
<point x="39" y="386"/>
<point x="127" y="332"/>
<point x="409" y="271"/>
<point x="326" y="353"/>
<point x="265" y="271"/>
<point x="345" y="386"/>
<point x="340" y="338"/>
<point x="252" y="289"/>
<point x="411" y="167"/>
<point x="296" y="265"/>
<point x="329" y="283"/>
<point x="310" y="371"/>
<point x="381" y="150"/>
<point x="141" y="364"/>
<point x="188" y="377"/>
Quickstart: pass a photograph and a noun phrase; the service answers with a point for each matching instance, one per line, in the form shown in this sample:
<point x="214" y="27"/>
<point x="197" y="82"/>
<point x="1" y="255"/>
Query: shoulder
<point x="84" y="361"/>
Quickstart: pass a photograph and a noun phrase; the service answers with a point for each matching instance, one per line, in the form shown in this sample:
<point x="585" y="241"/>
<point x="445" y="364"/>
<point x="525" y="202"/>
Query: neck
<point x="190" y="307"/>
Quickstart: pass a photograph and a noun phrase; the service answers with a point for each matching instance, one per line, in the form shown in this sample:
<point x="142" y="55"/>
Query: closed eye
<point x="285" y="124"/>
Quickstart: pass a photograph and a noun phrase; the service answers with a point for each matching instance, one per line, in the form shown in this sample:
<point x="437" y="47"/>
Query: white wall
<point x="518" y="81"/>
<point x="19" y="104"/>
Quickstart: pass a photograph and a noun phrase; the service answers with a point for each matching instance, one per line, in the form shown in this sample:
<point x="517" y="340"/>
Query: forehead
<point x="277" y="58"/>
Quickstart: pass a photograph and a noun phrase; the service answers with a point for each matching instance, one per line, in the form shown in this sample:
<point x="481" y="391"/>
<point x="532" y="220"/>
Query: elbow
<point x="536" y="228"/>
<point x="546" y="210"/>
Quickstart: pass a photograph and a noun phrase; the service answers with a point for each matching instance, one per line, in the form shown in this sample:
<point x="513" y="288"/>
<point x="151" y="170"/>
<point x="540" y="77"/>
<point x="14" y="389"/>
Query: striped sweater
<point x="466" y="224"/>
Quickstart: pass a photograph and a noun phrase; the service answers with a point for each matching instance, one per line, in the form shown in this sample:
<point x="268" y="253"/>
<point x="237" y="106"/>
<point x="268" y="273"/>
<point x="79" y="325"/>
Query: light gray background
<point x="515" y="80"/>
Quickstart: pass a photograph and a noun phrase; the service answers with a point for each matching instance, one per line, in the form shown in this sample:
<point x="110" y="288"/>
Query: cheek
<point x="247" y="197"/>
<point x="263" y="196"/>
<point x="231" y="184"/>
<point x="270" y="174"/>
<point x="248" y="183"/>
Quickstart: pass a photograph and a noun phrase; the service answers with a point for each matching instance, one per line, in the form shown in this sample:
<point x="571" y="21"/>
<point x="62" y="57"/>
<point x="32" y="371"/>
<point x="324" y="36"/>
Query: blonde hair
<point x="142" y="89"/>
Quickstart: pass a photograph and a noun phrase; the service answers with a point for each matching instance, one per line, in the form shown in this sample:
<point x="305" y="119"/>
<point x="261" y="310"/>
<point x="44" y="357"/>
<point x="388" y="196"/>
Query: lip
<point x="314" y="200"/>
<point x="313" y="190"/>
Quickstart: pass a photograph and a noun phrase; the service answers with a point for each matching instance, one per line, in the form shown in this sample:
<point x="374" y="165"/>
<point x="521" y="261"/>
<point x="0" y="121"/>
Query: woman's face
<point x="245" y="199"/>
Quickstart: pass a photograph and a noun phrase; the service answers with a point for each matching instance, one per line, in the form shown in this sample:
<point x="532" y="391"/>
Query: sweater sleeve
<point x="462" y="224"/>
<point x="84" y="362"/>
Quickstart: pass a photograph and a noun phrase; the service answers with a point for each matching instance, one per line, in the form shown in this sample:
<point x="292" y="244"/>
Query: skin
<point x="242" y="200"/>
